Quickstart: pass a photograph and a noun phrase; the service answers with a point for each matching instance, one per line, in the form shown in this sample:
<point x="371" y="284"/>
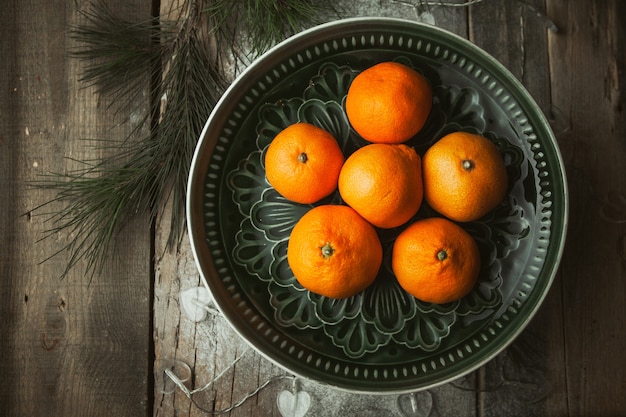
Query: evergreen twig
<point x="143" y="171"/>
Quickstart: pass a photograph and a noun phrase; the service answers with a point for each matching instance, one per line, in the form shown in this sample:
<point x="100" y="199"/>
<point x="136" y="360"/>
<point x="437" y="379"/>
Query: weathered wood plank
<point x="526" y="373"/>
<point x="587" y="62"/>
<point x="555" y="368"/>
<point x="210" y="346"/>
<point x="71" y="349"/>
<point x="68" y="348"/>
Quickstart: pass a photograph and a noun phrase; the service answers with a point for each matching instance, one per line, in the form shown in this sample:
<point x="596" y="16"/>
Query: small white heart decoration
<point x="195" y="303"/>
<point x="426" y="17"/>
<point x="416" y="404"/>
<point x="290" y="405"/>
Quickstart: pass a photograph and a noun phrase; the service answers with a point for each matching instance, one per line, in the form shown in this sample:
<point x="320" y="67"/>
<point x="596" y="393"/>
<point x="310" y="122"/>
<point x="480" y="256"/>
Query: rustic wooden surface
<point x="66" y="347"/>
<point x="70" y="348"/>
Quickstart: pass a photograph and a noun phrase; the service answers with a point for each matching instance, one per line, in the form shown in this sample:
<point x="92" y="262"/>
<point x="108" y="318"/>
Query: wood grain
<point x="517" y="379"/>
<point x="68" y="348"/>
<point x="587" y="75"/>
<point x="208" y="347"/>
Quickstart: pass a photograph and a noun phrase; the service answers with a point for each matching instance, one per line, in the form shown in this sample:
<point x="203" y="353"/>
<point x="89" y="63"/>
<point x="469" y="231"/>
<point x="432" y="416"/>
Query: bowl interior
<point x="381" y="340"/>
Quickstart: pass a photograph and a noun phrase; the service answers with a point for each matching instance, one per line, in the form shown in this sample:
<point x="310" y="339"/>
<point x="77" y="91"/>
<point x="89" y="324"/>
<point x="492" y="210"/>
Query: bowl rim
<point x="205" y="263"/>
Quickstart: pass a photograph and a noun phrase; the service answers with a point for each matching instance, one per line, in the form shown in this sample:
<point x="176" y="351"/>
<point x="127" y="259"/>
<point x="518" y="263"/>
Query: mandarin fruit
<point x="435" y="260"/>
<point x="302" y="163"/>
<point x="383" y="183"/>
<point x="464" y="176"/>
<point x="332" y="251"/>
<point x="388" y="103"/>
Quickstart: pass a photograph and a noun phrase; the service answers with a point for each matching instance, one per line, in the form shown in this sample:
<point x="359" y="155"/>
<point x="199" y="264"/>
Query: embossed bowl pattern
<point x="382" y="339"/>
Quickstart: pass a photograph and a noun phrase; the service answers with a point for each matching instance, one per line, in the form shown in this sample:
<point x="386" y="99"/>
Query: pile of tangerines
<point x="334" y="250"/>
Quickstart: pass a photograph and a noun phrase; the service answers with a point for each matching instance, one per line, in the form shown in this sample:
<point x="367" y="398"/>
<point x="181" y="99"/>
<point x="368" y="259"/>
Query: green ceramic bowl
<point x="381" y="340"/>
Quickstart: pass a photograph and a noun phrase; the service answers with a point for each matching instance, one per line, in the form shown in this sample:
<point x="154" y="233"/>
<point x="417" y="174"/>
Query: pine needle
<point x="119" y="56"/>
<point x="178" y="61"/>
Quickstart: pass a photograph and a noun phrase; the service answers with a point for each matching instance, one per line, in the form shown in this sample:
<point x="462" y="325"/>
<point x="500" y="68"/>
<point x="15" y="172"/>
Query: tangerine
<point x="464" y="176"/>
<point x="333" y="251"/>
<point x="388" y="102"/>
<point x="436" y="260"/>
<point x="383" y="183"/>
<point x="303" y="162"/>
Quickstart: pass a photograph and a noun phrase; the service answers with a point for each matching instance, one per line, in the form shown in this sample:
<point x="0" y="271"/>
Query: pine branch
<point x="118" y="55"/>
<point x="122" y="58"/>
<point x="96" y="202"/>
<point x="250" y="27"/>
<point x="192" y="87"/>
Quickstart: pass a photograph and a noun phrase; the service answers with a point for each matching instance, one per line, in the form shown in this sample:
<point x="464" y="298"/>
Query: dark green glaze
<point x="382" y="340"/>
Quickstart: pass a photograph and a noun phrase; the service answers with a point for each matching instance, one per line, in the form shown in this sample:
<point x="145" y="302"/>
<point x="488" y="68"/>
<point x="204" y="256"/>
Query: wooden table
<point x="72" y="347"/>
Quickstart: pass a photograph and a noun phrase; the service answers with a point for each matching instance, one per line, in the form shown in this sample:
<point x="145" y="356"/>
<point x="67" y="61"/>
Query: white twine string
<point x="189" y="393"/>
<point x="422" y="9"/>
<point x="436" y="3"/>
